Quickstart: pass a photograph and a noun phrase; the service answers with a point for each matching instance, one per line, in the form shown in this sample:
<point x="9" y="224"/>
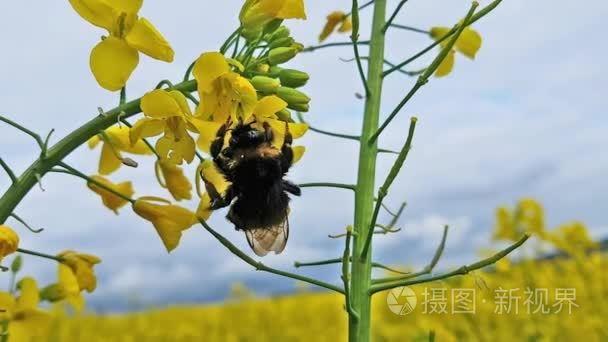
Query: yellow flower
<point x="505" y="227"/>
<point x="169" y="220"/>
<point x="257" y="13"/>
<point x="572" y="238"/>
<point x="9" y="241"/>
<point x="114" y="58"/>
<point x="468" y="44"/>
<point x="531" y="216"/>
<point x="116" y="140"/>
<point x="109" y="199"/>
<point x="68" y="287"/>
<point x="333" y="20"/>
<point x="222" y="92"/>
<point x="168" y="112"/>
<point x="26" y="321"/>
<point x="172" y="177"/>
<point x="82" y="266"/>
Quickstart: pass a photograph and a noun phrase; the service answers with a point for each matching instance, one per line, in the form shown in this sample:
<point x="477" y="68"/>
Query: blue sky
<point x="526" y="118"/>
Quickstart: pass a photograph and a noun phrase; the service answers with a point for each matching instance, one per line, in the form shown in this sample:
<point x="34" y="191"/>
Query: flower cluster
<point x="247" y="85"/>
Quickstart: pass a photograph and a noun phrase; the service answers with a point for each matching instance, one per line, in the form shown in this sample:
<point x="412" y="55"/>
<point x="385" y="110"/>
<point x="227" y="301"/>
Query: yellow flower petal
<point x="146" y="127"/>
<point x="298" y="153"/>
<point x="29" y="296"/>
<point x="82" y="267"/>
<point x="297" y="130"/>
<point x="268" y="106"/>
<point x="346" y="26"/>
<point x="145" y="38"/>
<point x="438" y="32"/>
<point x="180" y="99"/>
<point x="207" y="68"/>
<point x="160" y="104"/>
<point x="93" y="142"/>
<point x="213" y="176"/>
<point x="169" y="220"/>
<point x="446" y="65"/>
<point x="112" y="62"/>
<point x="126" y="6"/>
<point x="207" y="133"/>
<point x="9" y="241"/>
<point x="204" y="207"/>
<point x="108" y="162"/>
<point x="291" y="9"/>
<point x="119" y="136"/>
<point x="95" y="12"/>
<point x="175" y="181"/>
<point x="110" y="200"/>
<point x="469" y="42"/>
<point x="333" y="19"/>
<point x="8" y="303"/>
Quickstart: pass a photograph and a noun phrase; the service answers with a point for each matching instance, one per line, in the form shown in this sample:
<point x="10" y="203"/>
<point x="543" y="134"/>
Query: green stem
<point x="427" y="269"/>
<point x="354" y="37"/>
<point x="298" y="264"/>
<point x="261" y="267"/>
<point x="460" y="271"/>
<point x="352" y="313"/>
<point x="393" y="16"/>
<point x="383" y="191"/>
<point x="24" y="130"/>
<point x="327" y="185"/>
<point x="410" y="28"/>
<point x="73" y="171"/>
<point x="359" y="330"/>
<point x="8" y="170"/>
<point x="22" y="221"/>
<point x="473" y="19"/>
<point x="362" y="7"/>
<point x="65" y="146"/>
<point x="38" y="254"/>
<point x="322" y="46"/>
<point x="424" y="78"/>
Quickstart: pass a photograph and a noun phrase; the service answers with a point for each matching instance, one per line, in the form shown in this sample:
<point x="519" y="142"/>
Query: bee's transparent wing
<point x="266" y="239"/>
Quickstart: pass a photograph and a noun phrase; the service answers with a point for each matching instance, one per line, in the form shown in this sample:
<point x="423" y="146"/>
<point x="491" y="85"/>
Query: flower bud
<point x="298" y="46"/>
<point x="272" y="26"/>
<point x="281" y="32"/>
<point x="281" y="55"/>
<point x="262" y="68"/>
<point x="251" y="34"/>
<point x="282" y="42"/>
<point x="299" y="107"/>
<point x="16" y="264"/>
<point x="295" y="99"/>
<point x="265" y="84"/>
<point x="284" y="115"/>
<point x="274" y="71"/>
<point x="293" y="78"/>
<point x="52" y="293"/>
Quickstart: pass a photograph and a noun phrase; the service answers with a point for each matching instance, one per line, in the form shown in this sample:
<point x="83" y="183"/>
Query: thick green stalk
<point x="65" y="146"/>
<point x="360" y="329"/>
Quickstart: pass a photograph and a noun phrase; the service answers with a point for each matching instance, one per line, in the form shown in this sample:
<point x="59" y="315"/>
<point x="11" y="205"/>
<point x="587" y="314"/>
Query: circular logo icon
<point x="401" y="300"/>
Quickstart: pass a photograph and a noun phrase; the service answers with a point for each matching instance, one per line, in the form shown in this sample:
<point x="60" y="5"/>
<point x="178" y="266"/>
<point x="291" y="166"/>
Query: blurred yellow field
<point x="320" y="316"/>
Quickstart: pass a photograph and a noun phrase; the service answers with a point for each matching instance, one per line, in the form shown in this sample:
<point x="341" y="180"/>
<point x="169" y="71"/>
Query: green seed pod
<point x="284" y="115"/>
<point x="52" y="293"/>
<point x="299" y="107"/>
<point x="293" y="78"/>
<point x="265" y="84"/>
<point x="281" y="55"/>
<point x="281" y="42"/>
<point x="16" y="264"/>
<point x="295" y="99"/>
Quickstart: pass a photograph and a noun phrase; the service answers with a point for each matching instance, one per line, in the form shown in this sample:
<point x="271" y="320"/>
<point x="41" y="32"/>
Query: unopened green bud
<point x="16" y="264"/>
<point x="282" y="42"/>
<point x="265" y="84"/>
<point x="284" y="115"/>
<point x="251" y="34"/>
<point x="281" y="32"/>
<point x="295" y="99"/>
<point x="293" y="78"/>
<point x="52" y="293"/>
<point x="274" y="71"/>
<point x="272" y="26"/>
<point x="298" y="46"/>
<point x="262" y="68"/>
<point x="299" y="107"/>
<point x="281" y="55"/>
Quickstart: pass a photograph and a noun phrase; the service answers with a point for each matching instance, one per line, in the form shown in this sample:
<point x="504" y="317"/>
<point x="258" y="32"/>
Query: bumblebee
<point x="258" y="193"/>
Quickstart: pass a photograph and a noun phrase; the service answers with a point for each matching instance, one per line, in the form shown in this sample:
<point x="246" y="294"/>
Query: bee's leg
<point x="268" y="136"/>
<point x="217" y="200"/>
<point x="286" y="152"/>
<point x="291" y="188"/>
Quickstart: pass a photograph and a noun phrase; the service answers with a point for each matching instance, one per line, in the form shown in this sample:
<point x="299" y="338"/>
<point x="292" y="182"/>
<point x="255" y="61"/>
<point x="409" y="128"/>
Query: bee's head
<point x="246" y="136"/>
